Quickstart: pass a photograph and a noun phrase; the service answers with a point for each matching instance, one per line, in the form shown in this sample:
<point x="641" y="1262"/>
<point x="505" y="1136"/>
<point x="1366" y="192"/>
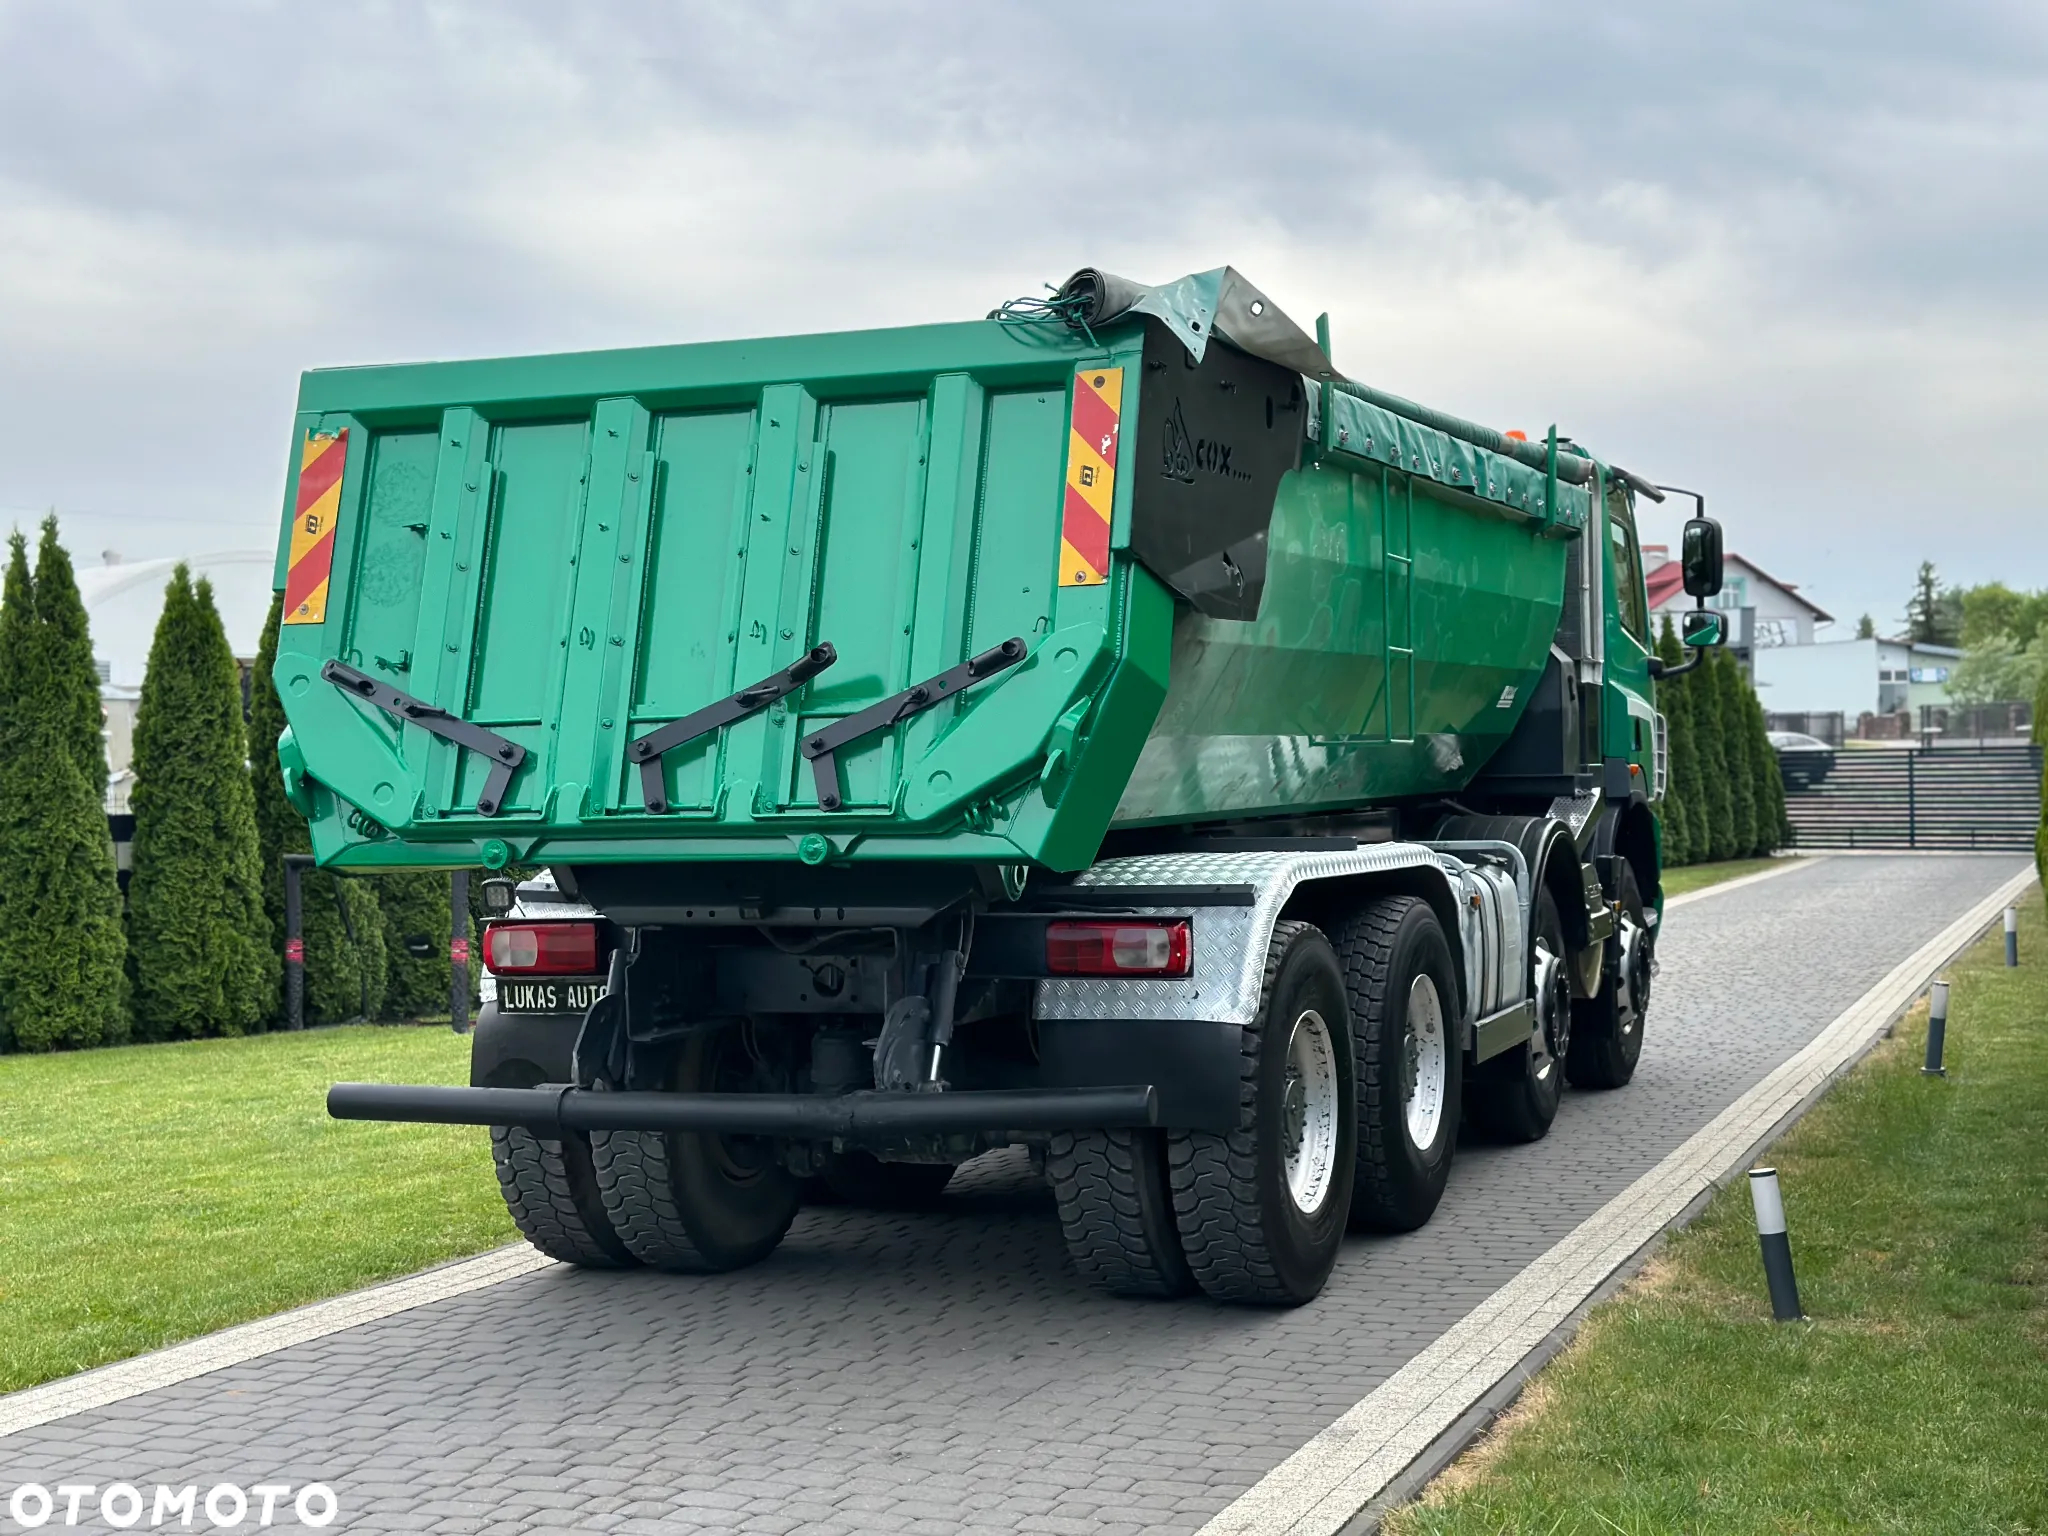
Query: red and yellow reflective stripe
<point x="1091" y="476"/>
<point x="316" y="510"/>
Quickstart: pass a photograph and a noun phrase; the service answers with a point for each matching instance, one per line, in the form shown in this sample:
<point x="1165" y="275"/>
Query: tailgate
<point x="538" y="582"/>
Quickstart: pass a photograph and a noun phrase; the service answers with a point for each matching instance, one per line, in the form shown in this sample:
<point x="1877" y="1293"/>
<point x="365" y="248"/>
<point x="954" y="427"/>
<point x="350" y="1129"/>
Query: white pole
<point x="1769" y="1201"/>
<point x="1937" y="1029"/>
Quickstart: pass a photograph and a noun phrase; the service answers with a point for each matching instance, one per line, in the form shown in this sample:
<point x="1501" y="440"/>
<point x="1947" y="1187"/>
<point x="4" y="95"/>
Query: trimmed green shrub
<point x="1774" y="828"/>
<point x="345" y="957"/>
<point x="1716" y="797"/>
<point x="61" y="946"/>
<point x="200" y="948"/>
<point x="1674" y="818"/>
<point x="69" y="678"/>
<point x="1733" y="729"/>
<point x="2041" y="739"/>
<point x="62" y="950"/>
<point x="336" y="965"/>
<point x="417" y="908"/>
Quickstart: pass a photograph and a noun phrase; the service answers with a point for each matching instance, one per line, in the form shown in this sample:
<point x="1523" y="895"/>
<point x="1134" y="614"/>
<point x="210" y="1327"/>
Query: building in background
<point x="1763" y="612"/>
<point x="1854" y="678"/>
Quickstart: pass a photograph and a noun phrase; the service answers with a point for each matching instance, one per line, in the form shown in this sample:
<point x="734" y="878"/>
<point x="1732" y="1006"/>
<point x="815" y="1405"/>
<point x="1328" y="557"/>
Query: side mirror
<point x="1701" y="560"/>
<point x="1701" y="628"/>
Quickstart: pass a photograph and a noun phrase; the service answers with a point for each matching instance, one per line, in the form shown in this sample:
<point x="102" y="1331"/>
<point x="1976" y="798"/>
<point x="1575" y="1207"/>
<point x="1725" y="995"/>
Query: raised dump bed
<point x="1140" y="576"/>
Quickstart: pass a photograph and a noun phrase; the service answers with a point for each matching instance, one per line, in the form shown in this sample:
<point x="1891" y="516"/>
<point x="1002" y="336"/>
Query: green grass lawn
<point x="151" y="1193"/>
<point x="1694" y="877"/>
<point x="1916" y="1400"/>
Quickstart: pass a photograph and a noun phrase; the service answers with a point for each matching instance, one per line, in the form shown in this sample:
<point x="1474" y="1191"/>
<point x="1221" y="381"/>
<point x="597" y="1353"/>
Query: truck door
<point x="1629" y="729"/>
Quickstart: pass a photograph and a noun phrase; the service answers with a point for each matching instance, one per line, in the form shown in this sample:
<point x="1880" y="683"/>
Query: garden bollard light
<point x="1937" y="1029"/>
<point x="2012" y="936"/>
<point x="1777" y="1247"/>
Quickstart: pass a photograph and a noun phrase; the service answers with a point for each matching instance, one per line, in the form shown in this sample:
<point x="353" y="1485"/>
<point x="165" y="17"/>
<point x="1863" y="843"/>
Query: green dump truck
<point x="1101" y="728"/>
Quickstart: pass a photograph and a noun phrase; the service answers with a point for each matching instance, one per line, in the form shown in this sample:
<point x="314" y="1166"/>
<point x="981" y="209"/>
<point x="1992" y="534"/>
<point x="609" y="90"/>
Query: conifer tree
<point x="2040" y="736"/>
<point x="61" y="946"/>
<point x="341" y="974"/>
<point x="1734" y="731"/>
<point x="1716" y="798"/>
<point x="71" y="677"/>
<point x="200" y="946"/>
<point x="17" y="663"/>
<point x="1674" y="819"/>
<point x="1777" y="827"/>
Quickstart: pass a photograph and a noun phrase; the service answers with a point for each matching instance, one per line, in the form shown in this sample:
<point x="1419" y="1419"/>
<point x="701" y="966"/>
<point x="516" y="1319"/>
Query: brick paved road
<point x="945" y="1372"/>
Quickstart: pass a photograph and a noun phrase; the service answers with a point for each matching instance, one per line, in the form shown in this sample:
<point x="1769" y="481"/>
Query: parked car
<point x="1802" y="759"/>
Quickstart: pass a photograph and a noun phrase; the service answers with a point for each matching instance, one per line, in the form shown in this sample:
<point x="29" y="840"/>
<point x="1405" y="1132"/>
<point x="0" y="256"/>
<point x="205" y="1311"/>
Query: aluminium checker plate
<point x="1229" y="942"/>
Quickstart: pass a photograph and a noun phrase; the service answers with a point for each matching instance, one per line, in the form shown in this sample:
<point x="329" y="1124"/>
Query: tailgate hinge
<point x="505" y="756"/>
<point x="821" y="747"/>
<point x="647" y="750"/>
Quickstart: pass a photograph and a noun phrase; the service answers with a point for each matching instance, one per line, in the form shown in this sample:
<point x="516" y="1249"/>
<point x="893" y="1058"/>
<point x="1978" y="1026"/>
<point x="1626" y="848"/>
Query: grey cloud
<point x="1756" y="246"/>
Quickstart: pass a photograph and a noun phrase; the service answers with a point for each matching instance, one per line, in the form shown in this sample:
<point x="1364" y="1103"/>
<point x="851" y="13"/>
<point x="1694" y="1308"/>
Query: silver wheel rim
<point x="1631" y="984"/>
<point x="1309" y="1113"/>
<point x="1424" y="1062"/>
<point x="1548" y="1040"/>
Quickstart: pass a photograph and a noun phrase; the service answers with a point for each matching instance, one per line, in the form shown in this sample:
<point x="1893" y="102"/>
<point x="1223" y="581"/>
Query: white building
<point x="1856" y="677"/>
<point x="1778" y="614"/>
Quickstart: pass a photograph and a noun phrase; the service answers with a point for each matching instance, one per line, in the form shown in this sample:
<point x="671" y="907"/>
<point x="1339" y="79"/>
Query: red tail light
<point x="1129" y="948"/>
<point x="541" y="949"/>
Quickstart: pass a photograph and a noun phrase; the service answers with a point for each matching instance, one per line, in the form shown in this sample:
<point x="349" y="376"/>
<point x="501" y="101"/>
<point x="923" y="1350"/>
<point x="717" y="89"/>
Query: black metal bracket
<point x="822" y="747"/>
<point x="647" y="750"/>
<point x="505" y="756"/>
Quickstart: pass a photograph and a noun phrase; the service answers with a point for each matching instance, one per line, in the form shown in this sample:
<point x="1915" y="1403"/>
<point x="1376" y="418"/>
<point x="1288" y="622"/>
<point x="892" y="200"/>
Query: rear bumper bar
<point x="549" y="1111"/>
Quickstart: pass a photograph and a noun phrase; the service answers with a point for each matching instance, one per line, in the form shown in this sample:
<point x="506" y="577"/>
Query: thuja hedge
<point x="1723" y="796"/>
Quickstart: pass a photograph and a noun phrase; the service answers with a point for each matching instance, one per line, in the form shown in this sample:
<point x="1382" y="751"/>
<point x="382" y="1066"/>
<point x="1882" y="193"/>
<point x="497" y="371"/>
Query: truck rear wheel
<point x="550" y="1187"/>
<point x="1262" y="1209"/>
<point x="1607" y="1029"/>
<point x="1403" y="995"/>
<point x="1116" y="1210"/>
<point x="693" y="1202"/>
<point x="1514" y="1096"/>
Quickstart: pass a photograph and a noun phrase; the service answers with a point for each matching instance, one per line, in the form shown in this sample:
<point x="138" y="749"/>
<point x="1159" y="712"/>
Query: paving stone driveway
<point x="946" y="1372"/>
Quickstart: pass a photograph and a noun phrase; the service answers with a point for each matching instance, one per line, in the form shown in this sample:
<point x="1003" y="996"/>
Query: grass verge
<point x="1697" y="877"/>
<point x="151" y="1193"/>
<point x="1916" y="1400"/>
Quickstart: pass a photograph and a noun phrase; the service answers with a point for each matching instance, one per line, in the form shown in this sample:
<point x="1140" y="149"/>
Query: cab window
<point x="1630" y="604"/>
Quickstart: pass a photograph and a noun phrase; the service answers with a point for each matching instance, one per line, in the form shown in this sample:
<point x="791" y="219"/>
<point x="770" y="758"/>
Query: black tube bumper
<point x="549" y="1111"/>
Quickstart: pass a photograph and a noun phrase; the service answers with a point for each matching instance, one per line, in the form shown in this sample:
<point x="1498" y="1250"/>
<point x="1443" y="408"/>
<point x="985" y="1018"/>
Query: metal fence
<point x="1956" y="797"/>
<point x="2012" y="721"/>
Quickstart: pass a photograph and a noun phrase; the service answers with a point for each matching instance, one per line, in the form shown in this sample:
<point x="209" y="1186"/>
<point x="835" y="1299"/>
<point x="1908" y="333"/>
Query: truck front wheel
<point x="1607" y="1029"/>
<point x="1262" y="1209"/>
<point x="1403" y="995"/>
<point x="693" y="1202"/>
<point x="1514" y="1096"/>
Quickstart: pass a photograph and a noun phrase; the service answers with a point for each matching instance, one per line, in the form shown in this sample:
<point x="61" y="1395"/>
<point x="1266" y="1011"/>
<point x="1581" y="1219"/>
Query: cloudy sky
<point x="1790" y="254"/>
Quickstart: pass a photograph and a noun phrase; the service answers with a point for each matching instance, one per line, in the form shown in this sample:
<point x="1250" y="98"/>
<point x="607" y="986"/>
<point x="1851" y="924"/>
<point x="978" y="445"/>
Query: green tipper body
<point x="571" y="551"/>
